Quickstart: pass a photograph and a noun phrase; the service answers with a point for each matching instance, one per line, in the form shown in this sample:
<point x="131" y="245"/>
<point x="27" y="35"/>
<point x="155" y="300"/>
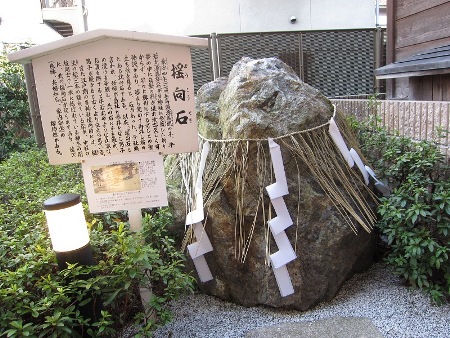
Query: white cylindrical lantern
<point x="66" y="222"/>
<point x="70" y="241"/>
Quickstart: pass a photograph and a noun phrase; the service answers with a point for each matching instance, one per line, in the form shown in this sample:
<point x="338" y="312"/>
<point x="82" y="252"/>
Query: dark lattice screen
<point x="339" y="62"/>
<point x="335" y="62"/>
<point x="201" y="67"/>
<point x="383" y="62"/>
<point x="285" y="46"/>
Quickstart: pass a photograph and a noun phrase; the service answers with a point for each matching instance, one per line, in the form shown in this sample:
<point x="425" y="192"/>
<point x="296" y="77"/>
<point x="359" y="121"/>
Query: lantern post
<point x="70" y="240"/>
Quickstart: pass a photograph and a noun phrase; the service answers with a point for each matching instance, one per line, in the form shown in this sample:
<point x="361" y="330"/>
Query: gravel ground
<point x="376" y="294"/>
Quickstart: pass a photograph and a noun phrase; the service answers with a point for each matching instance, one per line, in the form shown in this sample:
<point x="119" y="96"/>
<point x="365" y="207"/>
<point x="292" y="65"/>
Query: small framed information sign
<point x="125" y="182"/>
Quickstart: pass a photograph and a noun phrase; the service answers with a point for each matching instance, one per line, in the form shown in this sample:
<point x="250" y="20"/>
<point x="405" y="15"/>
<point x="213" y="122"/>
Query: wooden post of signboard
<point x="33" y="104"/>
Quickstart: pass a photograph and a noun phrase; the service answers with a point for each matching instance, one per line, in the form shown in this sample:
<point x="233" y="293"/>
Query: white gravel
<point x="376" y="294"/>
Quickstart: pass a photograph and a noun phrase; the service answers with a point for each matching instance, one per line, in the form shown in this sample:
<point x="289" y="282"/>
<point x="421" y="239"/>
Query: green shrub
<point x="37" y="300"/>
<point x="415" y="218"/>
<point x="15" y="124"/>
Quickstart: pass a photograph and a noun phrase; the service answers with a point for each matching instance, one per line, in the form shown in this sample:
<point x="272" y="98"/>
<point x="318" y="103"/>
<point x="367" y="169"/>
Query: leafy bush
<point x="415" y="218"/>
<point x="37" y="300"/>
<point x="15" y="124"/>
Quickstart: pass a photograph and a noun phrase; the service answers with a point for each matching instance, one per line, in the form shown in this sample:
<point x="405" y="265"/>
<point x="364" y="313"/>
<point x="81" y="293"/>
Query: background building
<point x="333" y="45"/>
<point x="200" y="17"/>
<point x="21" y="21"/>
<point x="418" y="50"/>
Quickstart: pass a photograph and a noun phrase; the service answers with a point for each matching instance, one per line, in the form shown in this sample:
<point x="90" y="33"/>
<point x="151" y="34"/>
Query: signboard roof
<point x="26" y="55"/>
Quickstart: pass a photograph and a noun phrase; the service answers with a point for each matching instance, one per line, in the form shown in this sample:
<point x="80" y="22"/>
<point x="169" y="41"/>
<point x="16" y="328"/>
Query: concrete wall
<point x="195" y="17"/>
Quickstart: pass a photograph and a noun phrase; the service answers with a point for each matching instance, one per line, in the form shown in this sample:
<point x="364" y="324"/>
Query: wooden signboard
<point x="110" y="92"/>
<point x="117" y="101"/>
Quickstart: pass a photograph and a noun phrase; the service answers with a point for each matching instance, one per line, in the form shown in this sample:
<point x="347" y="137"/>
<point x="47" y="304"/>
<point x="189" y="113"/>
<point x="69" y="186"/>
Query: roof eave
<point x="394" y="75"/>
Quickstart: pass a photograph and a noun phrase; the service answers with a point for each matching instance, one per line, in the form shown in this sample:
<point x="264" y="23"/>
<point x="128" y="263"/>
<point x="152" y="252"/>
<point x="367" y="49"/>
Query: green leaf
<point x="10" y="332"/>
<point x="112" y="297"/>
<point x="447" y="209"/>
<point x="17" y="324"/>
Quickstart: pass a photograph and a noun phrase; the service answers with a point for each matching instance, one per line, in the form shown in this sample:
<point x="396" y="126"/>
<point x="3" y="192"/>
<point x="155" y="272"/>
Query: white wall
<point x="22" y="22"/>
<point x="194" y="17"/>
<point x="22" y="19"/>
<point x="330" y="14"/>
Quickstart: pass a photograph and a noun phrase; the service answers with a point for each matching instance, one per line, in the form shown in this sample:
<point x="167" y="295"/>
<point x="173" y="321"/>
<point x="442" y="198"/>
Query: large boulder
<point x="260" y="99"/>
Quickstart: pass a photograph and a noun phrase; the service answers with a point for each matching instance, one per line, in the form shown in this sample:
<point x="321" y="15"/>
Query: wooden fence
<point x="419" y="120"/>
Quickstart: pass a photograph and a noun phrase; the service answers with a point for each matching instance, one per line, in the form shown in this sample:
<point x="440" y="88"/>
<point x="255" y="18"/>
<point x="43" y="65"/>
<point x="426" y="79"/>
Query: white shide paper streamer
<point x="360" y="165"/>
<point x="352" y="157"/>
<point x="381" y="187"/>
<point x="285" y="253"/>
<point x="340" y="143"/>
<point x="194" y="219"/>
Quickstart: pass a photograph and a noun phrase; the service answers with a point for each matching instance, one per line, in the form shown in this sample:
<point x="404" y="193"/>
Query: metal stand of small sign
<point x="117" y="101"/>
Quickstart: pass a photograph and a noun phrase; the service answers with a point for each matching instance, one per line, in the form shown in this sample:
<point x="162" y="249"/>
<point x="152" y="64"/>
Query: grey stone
<point x="265" y="98"/>
<point x="334" y="327"/>
<point x="207" y="109"/>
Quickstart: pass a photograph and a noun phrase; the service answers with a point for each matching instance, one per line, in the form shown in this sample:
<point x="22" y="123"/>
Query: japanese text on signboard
<point x="120" y="103"/>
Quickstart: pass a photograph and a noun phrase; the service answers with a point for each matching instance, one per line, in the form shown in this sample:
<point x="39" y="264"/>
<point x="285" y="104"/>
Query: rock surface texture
<point x="260" y="99"/>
